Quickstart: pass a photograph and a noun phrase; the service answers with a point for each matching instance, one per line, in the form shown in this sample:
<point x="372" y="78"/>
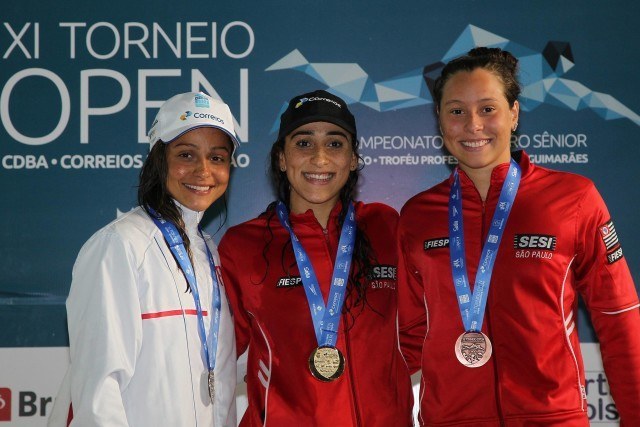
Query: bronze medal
<point x="326" y="363"/>
<point x="473" y="349"/>
<point x="212" y="386"/>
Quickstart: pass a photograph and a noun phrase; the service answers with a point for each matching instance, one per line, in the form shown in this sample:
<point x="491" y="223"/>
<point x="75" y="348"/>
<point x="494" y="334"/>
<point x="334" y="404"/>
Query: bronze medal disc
<point x="473" y="349"/>
<point x="326" y="363"/>
<point x="212" y="386"/>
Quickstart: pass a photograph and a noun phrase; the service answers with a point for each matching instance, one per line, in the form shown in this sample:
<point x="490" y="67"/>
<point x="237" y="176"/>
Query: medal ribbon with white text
<point x="176" y="245"/>
<point x="326" y="318"/>
<point x="472" y="307"/>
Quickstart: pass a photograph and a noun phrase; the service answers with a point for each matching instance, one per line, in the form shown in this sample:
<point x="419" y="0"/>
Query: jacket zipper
<point x="356" y="407"/>
<point x="494" y="358"/>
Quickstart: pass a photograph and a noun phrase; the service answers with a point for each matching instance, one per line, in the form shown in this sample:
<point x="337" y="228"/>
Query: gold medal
<point x="326" y="363"/>
<point x="212" y="386"/>
<point x="473" y="349"/>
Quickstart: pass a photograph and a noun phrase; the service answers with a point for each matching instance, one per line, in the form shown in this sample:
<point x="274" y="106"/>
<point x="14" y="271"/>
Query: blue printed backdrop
<point x="80" y="86"/>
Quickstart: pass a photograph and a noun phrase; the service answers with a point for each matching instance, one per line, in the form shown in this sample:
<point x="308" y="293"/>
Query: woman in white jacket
<point x="152" y="343"/>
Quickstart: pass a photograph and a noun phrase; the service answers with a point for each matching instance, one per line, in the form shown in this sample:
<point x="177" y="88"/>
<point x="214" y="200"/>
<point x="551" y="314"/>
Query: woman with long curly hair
<point x="312" y="283"/>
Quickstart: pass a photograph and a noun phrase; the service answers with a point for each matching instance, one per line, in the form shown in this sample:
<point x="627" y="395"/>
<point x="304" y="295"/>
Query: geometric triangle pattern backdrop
<point x="540" y="75"/>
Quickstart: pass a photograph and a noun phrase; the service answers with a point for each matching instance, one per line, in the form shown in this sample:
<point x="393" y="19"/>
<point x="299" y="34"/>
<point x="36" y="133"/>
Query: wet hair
<point x="363" y="255"/>
<point x="153" y="193"/>
<point x="497" y="61"/>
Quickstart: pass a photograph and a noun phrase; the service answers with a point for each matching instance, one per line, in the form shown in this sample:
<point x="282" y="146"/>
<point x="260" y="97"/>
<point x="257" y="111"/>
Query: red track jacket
<point x="559" y="242"/>
<point x="273" y="320"/>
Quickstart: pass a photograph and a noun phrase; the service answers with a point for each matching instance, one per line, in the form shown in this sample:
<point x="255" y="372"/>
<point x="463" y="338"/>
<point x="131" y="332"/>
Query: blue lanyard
<point x="176" y="245"/>
<point x="326" y="318"/>
<point x="472" y="307"/>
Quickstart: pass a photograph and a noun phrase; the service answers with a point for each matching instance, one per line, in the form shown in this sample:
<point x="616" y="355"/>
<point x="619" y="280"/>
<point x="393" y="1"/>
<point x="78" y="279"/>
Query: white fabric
<point x="129" y="368"/>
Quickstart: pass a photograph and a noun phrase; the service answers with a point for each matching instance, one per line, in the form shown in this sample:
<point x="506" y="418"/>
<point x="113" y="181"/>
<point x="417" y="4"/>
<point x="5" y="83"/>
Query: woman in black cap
<point x="312" y="283"/>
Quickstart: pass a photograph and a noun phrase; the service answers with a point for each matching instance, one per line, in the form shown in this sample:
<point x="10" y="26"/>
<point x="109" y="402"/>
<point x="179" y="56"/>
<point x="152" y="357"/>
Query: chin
<point x="197" y="206"/>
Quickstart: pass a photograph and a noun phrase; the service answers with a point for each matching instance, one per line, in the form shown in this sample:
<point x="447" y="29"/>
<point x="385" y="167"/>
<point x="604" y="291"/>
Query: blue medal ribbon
<point x="176" y="245"/>
<point x="472" y="306"/>
<point x="326" y="318"/>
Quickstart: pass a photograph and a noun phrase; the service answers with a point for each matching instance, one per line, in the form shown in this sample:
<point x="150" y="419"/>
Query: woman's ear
<point x="515" y="115"/>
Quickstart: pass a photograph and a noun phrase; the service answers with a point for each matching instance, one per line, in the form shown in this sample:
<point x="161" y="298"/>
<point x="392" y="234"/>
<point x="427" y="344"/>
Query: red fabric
<point x="535" y="375"/>
<point x="172" y="313"/>
<point x="275" y="323"/>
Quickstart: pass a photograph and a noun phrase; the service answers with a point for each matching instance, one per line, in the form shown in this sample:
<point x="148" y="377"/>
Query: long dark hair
<point x="153" y="193"/>
<point x="363" y="255"/>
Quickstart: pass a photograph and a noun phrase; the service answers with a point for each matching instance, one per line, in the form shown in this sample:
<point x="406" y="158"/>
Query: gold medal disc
<point x="326" y="363"/>
<point x="473" y="349"/>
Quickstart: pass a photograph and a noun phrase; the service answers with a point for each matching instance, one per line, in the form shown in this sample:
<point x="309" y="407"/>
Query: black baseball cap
<point x="316" y="106"/>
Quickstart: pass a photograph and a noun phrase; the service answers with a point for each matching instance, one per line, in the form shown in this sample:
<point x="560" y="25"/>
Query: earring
<point x="515" y="126"/>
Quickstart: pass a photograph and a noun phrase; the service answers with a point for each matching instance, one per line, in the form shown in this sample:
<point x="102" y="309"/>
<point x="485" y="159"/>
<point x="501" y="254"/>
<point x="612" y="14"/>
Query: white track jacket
<point x="136" y="356"/>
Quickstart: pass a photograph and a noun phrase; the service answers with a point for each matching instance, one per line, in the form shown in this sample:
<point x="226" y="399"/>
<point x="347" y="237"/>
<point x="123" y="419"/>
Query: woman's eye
<point x="456" y="111"/>
<point x="302" y="143"/>
<point x="487" y="109"/>
<point x="184" y="155"/>
<point x="336" y="144"/>
<point x="218" y="159"/>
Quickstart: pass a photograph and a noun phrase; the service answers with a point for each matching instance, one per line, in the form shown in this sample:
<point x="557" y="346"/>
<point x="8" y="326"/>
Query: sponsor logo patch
<point x="316" y="98"/>
<point x="611" y="242"/>
<point x="383" y="272"/>
<point x="534" y="241"/>
<point x="383" y="277"/>
<point x="439" y="242"/>
<point x="287" y="282"/>
<point x="201" y="101"/>
<point x="5" y="404"/>
<point x="614" y="256"/>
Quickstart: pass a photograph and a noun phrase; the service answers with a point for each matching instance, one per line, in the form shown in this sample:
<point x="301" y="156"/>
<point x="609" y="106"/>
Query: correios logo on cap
<point x="316" y="98"/>
<point x="197" y="115"/>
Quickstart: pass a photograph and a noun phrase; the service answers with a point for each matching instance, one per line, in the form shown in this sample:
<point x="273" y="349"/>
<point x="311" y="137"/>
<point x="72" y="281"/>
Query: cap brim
<point x="310" y="119"/>
<point x="171" y="138"/>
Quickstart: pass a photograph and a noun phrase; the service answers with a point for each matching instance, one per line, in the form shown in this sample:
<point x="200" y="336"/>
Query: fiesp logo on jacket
<point x="5" y="404"/>
<point x="289" y="281"/>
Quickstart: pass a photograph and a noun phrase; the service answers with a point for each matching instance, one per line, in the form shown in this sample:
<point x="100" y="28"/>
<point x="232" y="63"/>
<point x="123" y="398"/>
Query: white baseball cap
<point x="188" y="111"/>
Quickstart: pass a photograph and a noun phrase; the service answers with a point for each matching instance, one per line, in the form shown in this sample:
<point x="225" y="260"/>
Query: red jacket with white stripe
<point x="273" y="319"/>
<point x="559" y="243"/>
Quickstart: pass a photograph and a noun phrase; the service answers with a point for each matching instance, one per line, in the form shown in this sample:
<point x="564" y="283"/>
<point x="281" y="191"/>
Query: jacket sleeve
<point x="231" y="273"/>
<point x="412" y="312"/>
<point x="605" y="283"/>
<point x="105" y="331"/>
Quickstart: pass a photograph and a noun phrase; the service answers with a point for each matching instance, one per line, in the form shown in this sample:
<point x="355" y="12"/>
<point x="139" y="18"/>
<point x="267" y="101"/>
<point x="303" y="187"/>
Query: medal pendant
<point x="212" y="387"/>
<point x="473" y="349"/>
<point x="326" y="363"/>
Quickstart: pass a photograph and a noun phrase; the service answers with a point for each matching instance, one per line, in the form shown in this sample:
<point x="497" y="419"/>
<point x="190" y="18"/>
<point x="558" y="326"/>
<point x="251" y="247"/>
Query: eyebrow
<point x="453" y="101"/>
<point x="190" y="145"/>
<point x="310" y="132"/>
